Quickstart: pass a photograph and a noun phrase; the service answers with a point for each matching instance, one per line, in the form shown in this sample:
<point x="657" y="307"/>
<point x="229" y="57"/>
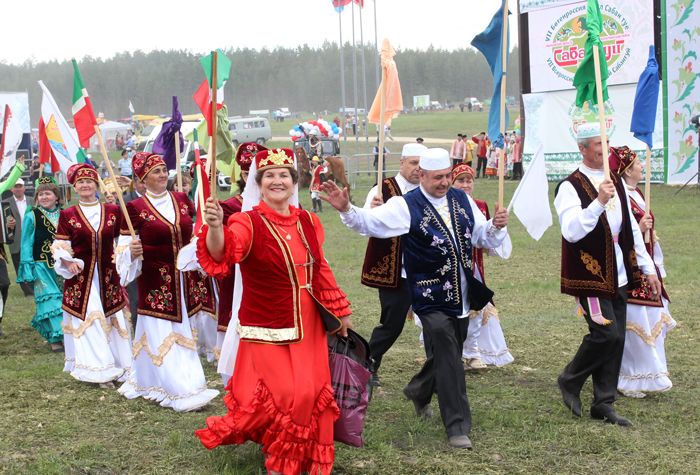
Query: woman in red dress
<point x="280" y="394"/>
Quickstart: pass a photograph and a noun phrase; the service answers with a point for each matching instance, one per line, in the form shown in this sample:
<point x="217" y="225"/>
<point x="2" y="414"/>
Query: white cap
<point x="435" y="159"/>
<point x="89" y="156"/>
<point x="588" y="130"/>
<point x="413" y="150"/>
<point x="19" y="181"/>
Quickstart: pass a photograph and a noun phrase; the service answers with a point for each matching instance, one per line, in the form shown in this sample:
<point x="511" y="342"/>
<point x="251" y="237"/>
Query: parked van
<point x="250" y="129"/>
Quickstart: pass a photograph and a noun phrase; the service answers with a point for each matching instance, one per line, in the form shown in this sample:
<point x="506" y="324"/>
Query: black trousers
<point x="132" y="291"/>
<point x="481" y="161"/>
<point x="4" y="285"/>
<point x="443" y="371"/>
<point x="518" y="170"/>
<point x="28" y="289"/>
<point x="395" y="305"/>
<point x="600" y="354"/>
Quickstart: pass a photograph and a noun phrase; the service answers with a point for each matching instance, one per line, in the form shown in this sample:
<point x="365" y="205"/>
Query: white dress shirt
<point x="21" y="207"/>
<point x="576" y="222"/>
<point x="393" y="218"/>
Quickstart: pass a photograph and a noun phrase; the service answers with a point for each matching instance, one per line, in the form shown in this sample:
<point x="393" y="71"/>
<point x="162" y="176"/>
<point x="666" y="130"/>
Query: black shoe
<point x="611" y="417"/>
<point x="375" y="380"/>
<point x="422" y="411"/>
<point x="571" y="401"/>
<point x="460" y="442"/>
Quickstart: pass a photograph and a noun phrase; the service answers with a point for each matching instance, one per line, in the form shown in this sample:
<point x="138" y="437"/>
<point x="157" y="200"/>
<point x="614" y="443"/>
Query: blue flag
<point x="165" y="142"/>
<point x="490" y="43"/>
<point x="645" y="101"/>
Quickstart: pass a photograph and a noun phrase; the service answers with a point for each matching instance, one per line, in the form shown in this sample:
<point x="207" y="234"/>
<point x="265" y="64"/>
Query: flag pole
<point x="601" y="110"/>
<point x="177" y="161"/>
<point x="647" y="193"/>
<point x="214" y="104"/>
<point x="504" y="55"/>
<point x="382" y="113"/>
<point x="114" y="180"/>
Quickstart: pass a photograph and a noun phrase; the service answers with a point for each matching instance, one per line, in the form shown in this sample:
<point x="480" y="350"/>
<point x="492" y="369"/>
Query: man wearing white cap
<point x="602" y="254"/>
<point x="383" y="267"/>
<point x="437" y="229"/>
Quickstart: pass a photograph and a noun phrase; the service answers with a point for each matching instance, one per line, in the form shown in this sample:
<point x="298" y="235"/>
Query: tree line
<point x="301" y="78"/>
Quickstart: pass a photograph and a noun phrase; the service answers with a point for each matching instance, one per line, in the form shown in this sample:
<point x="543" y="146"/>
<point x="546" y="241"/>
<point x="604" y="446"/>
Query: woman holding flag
<point x="97" y="335"/>
<point x="37" y="264"/>
<point x="280" y="394"/>
<point x="165" y="367"/>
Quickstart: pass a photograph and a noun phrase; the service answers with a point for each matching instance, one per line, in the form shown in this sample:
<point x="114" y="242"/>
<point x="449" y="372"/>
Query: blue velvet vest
<point x="433" y="257"/>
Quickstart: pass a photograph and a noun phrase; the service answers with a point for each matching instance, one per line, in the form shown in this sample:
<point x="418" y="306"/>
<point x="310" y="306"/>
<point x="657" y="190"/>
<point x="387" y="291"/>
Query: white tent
<point x="109" y="130"/>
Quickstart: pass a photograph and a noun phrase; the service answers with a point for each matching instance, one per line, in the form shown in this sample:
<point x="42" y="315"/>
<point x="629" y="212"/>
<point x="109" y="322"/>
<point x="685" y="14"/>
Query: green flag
<point x="584" y="79"/>
<point x="224" y="148"/>
<point x="223" y="68"/>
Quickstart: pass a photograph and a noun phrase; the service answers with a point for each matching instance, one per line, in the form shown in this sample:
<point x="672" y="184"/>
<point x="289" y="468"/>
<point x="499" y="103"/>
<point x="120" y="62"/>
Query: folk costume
<point x="37" y="267"/>
<point x="280" y="394"/>
<point x="97" y="336"/>
<point x="643" y="366"/>
<point x="602" y="253"/>
<point x="383" y="270"/>
<point x="165" y="367"/>
<point x="317" y="178"/>
<point x="482" y="148"/>
<point x="437" y="235"/>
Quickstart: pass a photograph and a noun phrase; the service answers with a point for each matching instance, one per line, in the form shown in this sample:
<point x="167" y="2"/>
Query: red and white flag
<point x="83" y="115"/>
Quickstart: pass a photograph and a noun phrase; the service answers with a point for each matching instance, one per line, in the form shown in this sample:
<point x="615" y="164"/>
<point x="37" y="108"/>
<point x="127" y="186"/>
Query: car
<point x="249" y="129"/>
<point x="285" y="112"/>
<point x="330" y="146"/>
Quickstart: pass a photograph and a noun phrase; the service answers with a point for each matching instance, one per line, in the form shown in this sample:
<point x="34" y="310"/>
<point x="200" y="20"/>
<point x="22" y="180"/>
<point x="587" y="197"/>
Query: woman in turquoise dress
<point x="36" y="262"/>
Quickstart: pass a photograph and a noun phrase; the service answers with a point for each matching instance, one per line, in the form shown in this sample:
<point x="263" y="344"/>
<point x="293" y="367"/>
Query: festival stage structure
<point x="552" y="34"/>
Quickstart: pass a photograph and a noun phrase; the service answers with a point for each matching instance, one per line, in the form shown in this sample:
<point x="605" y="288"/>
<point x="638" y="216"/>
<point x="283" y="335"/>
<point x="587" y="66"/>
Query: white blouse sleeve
<point x="128" y="269"/>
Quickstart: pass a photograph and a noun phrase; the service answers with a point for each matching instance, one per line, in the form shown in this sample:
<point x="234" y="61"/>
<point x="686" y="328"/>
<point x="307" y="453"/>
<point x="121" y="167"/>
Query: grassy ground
<point x="52" y="424"/>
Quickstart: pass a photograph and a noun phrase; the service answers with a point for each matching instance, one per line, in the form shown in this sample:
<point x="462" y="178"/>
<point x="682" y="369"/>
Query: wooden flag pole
<point x="114" y="180"/>
<point x="504" y="54"/>
<point x="200" y="190"/>
<point x="380" y="150"/>
<point x="103" y="187"/>
<point x="177" y="161"/>
<point x="647" y="193"/>
<point x="601" y="111"/>
<point x="212" y="140"/>
<point x="41" y="170"/>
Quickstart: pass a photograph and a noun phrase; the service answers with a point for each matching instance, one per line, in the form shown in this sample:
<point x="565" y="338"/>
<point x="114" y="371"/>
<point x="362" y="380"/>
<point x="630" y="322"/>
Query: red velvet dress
<point x="280" y="395"/>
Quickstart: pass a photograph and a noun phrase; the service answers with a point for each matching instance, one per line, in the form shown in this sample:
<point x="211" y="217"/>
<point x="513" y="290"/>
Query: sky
<point x="76" y="28"/>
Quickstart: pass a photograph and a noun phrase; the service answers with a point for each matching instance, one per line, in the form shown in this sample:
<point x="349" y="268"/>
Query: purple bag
<point x="349" y="379"/>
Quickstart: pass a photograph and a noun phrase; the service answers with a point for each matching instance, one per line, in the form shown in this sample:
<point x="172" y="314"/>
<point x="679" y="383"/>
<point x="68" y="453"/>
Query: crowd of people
<point x="464" y="150"/>
<point x="140" y="297"/>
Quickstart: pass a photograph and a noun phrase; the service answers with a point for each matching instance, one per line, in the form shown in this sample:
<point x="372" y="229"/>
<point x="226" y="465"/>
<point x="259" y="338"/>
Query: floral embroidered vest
<point x="382" y="266"/>
<point x="588" y="267"/>
<point x="433" y="257"/>
<point x="159" y="284"/>
<point x="95" y="248"/>
<point x="44" y="233"/>
<point x="642" y="295"/>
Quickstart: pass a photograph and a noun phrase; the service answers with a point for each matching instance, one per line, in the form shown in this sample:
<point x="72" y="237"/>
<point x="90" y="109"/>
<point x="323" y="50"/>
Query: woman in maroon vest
<point x="280" y="394"/>
<point x="165" y="367"/>
<point x="97" y="336"/>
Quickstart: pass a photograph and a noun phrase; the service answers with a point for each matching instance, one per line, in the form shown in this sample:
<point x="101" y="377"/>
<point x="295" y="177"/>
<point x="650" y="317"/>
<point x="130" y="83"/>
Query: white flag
<point x="131" y="108"/>
<point x="531" y="199"/>
<point x="11" y="139"/>
<point x="63" y="139"/>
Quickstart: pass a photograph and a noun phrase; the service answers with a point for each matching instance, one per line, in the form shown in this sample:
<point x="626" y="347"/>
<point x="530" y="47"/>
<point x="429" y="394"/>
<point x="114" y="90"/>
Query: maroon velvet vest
<point x="225" y="285"/>
<point x="271" y="303"/>
<point x="477" y="252"/>
<point x="159" y="284"/>
<point x="642" y="295"/>
<point x="95" y="248"/>
<point x="382" y="266"/>
<point x="588" y="267"/>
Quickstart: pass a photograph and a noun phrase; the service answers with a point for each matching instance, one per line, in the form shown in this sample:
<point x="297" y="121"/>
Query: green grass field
<point x="52" y="424"/>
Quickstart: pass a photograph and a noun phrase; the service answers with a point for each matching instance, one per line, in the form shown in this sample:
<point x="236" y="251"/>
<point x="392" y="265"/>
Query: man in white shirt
<point x="383" y="265"/>
<point x="437" y="229"/>
<point x="602" y="254"/>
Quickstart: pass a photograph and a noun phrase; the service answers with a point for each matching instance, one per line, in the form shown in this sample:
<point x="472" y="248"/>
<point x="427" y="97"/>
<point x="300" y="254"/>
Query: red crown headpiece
<point x="460" y="169"/>
<point x="80" y="171"/>
<point x="274" y="158"/>
<point x="621" y="158"/>
<point x="144" y="162"/>
<point x="246" y="153"/>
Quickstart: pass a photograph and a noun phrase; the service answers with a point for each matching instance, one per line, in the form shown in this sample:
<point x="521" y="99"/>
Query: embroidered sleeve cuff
<point x="218" y="270"/>
<point x="335" y="301"/>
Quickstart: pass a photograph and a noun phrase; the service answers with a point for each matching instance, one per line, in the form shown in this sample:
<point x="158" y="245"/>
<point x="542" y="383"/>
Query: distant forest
<point x="302" y="78"/>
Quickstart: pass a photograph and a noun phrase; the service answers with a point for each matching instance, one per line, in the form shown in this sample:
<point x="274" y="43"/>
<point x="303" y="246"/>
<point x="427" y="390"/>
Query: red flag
<point x="204" y="185"/>
<point x="46" y="154"/>
<point x="203" y="99"/>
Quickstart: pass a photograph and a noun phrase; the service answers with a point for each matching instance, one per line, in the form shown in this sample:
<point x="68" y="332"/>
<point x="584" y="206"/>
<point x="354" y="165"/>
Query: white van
<point x="249" y="129"/>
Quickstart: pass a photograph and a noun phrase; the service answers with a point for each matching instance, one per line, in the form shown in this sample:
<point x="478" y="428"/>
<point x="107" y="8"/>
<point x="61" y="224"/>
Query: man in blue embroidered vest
<point x="437" y="230"/>
<point x="602" y="253"/>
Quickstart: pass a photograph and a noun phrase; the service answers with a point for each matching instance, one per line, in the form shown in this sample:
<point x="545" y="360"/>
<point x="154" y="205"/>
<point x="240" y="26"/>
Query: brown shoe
<point x="460" y="442"/>
<point x="422" y="411"/>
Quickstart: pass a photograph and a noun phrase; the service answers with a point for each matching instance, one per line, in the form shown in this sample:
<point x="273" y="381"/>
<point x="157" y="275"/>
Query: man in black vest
<point x="437" y="230"/>
<point x="383" y="266"/>
<point x="602" y="252"/>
